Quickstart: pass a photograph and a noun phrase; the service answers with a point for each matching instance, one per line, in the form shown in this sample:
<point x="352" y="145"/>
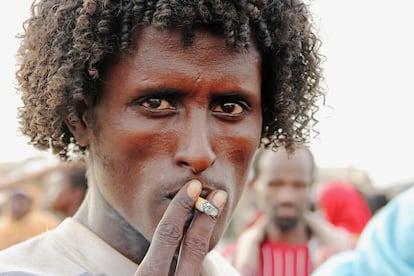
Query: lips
<point x="168" y="189"/>
<point x="204" y="193"/>
<point x="286" y="211"/>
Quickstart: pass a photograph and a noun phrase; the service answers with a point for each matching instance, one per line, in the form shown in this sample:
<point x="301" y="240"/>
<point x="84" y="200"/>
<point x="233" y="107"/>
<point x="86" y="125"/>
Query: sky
<point x="367" y="119"/>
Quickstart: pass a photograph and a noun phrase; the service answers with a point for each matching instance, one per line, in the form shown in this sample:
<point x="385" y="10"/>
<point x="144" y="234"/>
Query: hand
<point x="169" y="235"/>
<point x="248" y="248"/>
<point x="328" y="234"/>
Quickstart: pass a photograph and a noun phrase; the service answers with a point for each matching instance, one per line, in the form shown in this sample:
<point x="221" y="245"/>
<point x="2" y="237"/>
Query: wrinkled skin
<point x="169" y="114"/>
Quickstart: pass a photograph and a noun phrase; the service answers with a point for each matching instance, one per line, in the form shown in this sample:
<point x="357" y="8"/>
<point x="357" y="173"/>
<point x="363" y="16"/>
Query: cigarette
<point x="206" y="207"/>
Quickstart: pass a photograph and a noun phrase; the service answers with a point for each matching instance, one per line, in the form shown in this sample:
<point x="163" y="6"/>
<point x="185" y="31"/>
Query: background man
<point x="23" y="220"/>
<point x="287" y="237"/>
<point x="66" y="190"/>
<point x="277" y="242"/>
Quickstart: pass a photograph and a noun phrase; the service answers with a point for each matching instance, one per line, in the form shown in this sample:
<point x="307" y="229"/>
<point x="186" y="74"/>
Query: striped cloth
<point x="281" y="259"/>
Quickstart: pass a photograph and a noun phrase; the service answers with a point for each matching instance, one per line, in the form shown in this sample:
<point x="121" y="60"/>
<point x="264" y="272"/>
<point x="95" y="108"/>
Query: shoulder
<point x="44" y="254"/>
<point x="385" y="245"/>
<point x="338" y="265"/>
<point x="214" y="265"/>
<point x="21" y="256"/>
<point x="228" y="252"/>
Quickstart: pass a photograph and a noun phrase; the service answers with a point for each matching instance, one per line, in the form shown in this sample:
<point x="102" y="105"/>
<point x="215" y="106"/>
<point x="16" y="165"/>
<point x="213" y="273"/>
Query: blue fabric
<point x="385" y="247"/>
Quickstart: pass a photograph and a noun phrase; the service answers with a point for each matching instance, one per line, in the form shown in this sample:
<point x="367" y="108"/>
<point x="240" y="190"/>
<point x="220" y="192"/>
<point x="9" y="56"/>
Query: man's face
<point x="283" y="186"/>
<point x="169" y="114"/>
<point x="62" y="196"/>
<point x="20" y="205"/>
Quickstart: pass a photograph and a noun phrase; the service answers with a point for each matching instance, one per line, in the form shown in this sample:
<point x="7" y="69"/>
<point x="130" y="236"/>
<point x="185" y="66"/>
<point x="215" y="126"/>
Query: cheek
<point x="145" y="147"/>
<point x="127" y="155"/>
<point x="268" y="198"/>
<point x="238" y="154"/>
<point x="134" y="143"/>
<point x="305" y="198"/>
<point x="240" y="148"/>
<point x="234" y="153"/>
<point x="145" y="154"/>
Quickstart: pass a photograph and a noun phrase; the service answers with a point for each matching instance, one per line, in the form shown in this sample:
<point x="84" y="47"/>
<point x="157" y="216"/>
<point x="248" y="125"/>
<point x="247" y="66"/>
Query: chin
<point x="285" y="223"/>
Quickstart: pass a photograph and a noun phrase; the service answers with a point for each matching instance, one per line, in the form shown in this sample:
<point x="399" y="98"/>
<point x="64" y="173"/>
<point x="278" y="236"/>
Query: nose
<point x="194" y="150"/>
<point x="287" y="195"/>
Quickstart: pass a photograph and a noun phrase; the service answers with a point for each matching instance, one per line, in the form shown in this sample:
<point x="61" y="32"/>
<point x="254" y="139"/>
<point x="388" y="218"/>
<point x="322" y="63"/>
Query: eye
<point x="275" y="183"/>
<point x="230" y="107"/>
<point x="299" y="185"/>
<point x="157" y="104"/>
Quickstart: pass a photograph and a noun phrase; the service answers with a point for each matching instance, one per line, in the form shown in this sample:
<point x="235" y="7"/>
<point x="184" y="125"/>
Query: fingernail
<point x="219" y="199"/>
<point x="194" y="188"/>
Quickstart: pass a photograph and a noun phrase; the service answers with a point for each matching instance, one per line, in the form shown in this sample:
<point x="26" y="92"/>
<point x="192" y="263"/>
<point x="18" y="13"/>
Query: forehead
<point x="173" y="39"/>
<point x="280" y="163"/>
<point x="159" y="60"/>
<point x="207" y="50"/>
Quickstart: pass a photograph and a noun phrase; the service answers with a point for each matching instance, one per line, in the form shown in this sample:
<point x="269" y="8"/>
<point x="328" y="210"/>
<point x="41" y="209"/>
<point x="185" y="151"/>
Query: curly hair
<point x="67" y="45"/>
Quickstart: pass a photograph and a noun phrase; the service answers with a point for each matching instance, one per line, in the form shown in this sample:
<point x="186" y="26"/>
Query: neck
<point x="96" y="214"/>
<point x="296" y="235"/>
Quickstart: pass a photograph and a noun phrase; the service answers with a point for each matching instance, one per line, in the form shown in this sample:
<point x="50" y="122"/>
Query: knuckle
<point x="147" y="271"/>
<point x="198" y="247"/>
<point x="170" y="233"/>
<point x="185" y="203"/>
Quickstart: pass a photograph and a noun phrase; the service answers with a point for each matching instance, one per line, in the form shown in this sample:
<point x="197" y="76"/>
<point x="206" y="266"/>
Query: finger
<point x="169" y="232"/>
<point x="196" y="242"/>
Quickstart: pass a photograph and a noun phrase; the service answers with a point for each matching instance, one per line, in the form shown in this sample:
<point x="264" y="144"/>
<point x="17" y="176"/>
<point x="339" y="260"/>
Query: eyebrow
<point x="172" y="92"/>
<point x="241" y="95"/>
<point x="177" y="93"/>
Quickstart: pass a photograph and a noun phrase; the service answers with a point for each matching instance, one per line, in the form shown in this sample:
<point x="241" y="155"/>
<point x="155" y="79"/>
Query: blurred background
<point x="366" y="124"/>
<point x="368" y="47"/>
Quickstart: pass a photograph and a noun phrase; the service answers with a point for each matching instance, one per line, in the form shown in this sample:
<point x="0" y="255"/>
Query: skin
<point x="20" y="206"/>
<point x="282" y="192"/>
<point x="64" y="197"/>
<point x="283" y="189"/>
<point x="168" y="115"/>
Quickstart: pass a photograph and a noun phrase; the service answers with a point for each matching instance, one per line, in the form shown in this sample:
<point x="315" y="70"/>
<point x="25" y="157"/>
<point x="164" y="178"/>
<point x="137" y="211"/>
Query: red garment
<point x="280" y="259"/>
<point x="344" y="206"/>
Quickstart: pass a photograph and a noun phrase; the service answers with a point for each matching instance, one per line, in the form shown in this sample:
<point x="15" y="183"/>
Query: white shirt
<point x="72" y="249"/>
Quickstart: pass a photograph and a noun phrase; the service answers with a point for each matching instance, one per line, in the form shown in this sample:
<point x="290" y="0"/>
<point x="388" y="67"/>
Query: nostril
<point x="196" y="166"/>
<point x="183" y="164"/>
<point x="196" y="158"/>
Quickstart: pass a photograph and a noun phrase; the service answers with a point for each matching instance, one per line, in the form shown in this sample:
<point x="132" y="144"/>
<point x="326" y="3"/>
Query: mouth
<point x="204" y="193"/>
<point x="287" y="211"/>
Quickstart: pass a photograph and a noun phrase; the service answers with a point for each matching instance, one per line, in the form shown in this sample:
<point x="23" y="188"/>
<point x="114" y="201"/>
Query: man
<point x="66" y="190"/>
<point x="167" y="101"/>
<point x="23" y="220"/>
<point x="287" y="238"/>
<point x="277" y="243"/>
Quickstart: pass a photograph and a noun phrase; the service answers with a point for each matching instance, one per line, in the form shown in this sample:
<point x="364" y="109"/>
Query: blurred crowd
<point x="36" y="200"/>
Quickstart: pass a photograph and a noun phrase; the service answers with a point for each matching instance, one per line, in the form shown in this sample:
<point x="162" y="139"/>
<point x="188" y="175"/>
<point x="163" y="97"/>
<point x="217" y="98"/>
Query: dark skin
<point x="67" y="198"/>
<point x="172" y="124"/>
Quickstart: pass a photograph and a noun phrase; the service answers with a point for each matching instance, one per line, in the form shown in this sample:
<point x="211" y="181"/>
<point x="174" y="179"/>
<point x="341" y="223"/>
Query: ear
<point x="78" y="122"/>
<point x="251" y="182"/>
